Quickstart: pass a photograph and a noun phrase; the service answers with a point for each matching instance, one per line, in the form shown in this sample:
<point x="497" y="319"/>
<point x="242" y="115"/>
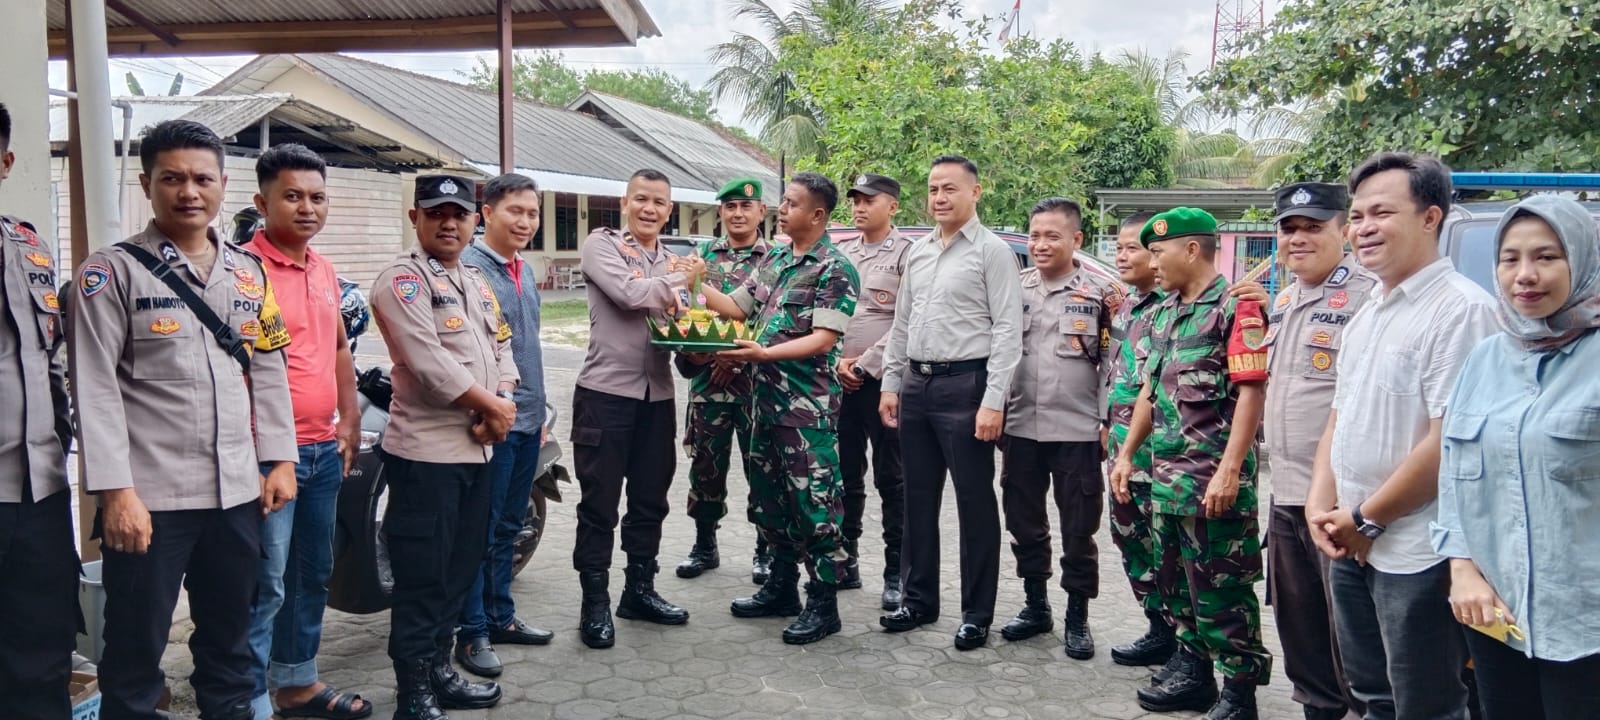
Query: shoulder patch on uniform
<point x="93" y="278"/>
<point x="1340" y="274"/>
<point x="406" y="287"/>
<point x="1252" y="322"/>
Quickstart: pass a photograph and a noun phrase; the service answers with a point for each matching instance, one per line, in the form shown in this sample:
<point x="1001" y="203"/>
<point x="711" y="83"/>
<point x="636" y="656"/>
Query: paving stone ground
<point x="717" y="666"/>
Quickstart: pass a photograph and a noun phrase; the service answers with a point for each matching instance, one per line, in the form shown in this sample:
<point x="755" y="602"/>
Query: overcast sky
<point x="690" y="27"/>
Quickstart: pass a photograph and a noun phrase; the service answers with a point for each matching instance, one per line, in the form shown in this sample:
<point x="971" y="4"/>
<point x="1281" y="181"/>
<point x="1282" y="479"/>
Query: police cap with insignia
<point x="1177" y="223"/>
<point x="875" y="184"/>
<point x="1318" y="201"/>
<point x="740" y="189"/>
<point x="435" y="190"/>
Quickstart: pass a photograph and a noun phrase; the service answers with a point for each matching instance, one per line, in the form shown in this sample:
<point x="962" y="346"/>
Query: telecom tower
<point x="1235" y="19"/>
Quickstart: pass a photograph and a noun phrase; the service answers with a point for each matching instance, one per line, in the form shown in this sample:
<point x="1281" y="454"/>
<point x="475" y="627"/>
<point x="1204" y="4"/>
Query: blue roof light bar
<point x="1570" y="182"/>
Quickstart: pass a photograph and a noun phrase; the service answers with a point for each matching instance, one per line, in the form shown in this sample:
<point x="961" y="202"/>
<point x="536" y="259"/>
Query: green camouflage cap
<point x="1176" y="223"/>
<point x="740" y="189"/>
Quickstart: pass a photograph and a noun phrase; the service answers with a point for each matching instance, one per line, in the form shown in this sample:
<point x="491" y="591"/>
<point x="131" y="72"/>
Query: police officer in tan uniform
<point x="1054" y="424"/>
<point x="1304" y="326"/>
<point x="38" y="566"/>
<point x="623" y="416"/>
<point x="879" y="256"/>
<point x="165" y="435"/>
<point x="453" y="384"/>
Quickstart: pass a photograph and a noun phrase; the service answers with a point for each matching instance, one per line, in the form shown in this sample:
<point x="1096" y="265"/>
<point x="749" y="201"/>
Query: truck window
<point x="1470" y="245"/>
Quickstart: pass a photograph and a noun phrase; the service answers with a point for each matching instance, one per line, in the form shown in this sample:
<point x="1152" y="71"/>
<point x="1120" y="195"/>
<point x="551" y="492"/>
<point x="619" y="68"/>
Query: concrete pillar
<point x="547" y="221"/>
<point x="24" y="90"/>
<point x="583" y="218"/>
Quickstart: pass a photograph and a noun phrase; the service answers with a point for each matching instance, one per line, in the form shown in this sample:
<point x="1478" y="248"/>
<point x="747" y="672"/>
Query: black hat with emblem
<point x="1318" y="201"/>
<point x="435" y="190"/>
<point x="875" y="184"/>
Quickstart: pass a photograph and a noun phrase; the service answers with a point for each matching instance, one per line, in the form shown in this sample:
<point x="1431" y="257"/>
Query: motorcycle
<point x="362" y="581"/>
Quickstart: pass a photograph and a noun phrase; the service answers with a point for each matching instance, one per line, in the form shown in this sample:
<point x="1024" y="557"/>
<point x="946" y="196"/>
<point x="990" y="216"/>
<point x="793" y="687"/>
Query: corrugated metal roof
<point x="690" y="143"/>
<point x="467" y="120"/>
<point x="203" y="12"/>
<point x="231" y="115"/>
<point x="603" y="187"/>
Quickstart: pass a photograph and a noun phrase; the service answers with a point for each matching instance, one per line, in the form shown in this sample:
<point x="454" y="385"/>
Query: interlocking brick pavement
<point x="718" y="666"/>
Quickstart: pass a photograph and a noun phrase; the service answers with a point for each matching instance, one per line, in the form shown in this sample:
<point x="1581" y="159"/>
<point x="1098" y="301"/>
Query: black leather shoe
<point x="760" y="564"/>
<point x="971" y="637"/>
<point x="1316" y="713"/>
<point x="851" y="580"/>
<point x="1080" y="642"/>
<point x="594" y="619"/>
<point x="414" y="698"/>
<point x="242" y="711"/>
<point x="1034" y="619"/>
<point x="477" y="656"/>
<point x="454" y="692"/>
<point x="779" y="597"/>
<point x="1155" y="647"/>
<point x="1192" y="686"/>
<point x="703" y="556"/>
<point x="1238" y="702"/>
<point x="820" y="618"/>
<point x="905" y="619"/>
<point x="640" y="601"/>
<point x="520" y="633"/>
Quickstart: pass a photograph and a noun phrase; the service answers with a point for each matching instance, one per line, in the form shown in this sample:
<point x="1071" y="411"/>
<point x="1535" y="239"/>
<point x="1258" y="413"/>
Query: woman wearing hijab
<point x="1519" y="478"/>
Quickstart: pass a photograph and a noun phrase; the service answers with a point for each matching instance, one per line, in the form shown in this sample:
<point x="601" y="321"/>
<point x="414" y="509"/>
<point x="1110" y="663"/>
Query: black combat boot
<point x="779" y="597"/>
<point x="892" y="592"/>
<point x="760" y="563"/>
<point x="414" y="698"/>
<point x="703" y="556"/>
<point x="1174" y="661"/>
<point x="1192" y="686"/>
<point x="453" y="691"/>
<point x="594" y="619"/>
<point x="1238" y="701"/>
<point x="851" y="579"/>
<point x="820" y="618"/>
<point x="1080" y="643"/>
<point x="640" y="601"/>
<point x="1035" y="616"/>
<point x="242" y="711"/>
<point x="1155" y="647"/>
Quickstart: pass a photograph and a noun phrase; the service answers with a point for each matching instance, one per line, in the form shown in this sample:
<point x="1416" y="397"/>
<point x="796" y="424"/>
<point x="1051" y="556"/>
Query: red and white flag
<point x="1011" y="21"/>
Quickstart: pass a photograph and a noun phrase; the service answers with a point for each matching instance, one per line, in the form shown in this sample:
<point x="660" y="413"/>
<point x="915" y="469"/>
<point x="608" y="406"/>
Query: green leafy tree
<point x="546" y="78"/>
<point x="752" y="69"/>
<point x="1485" y="84"/>
<point x="1038" y="119"/>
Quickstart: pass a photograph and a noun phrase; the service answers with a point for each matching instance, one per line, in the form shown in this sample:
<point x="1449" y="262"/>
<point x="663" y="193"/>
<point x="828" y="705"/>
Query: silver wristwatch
<point x="1364" y="526"/>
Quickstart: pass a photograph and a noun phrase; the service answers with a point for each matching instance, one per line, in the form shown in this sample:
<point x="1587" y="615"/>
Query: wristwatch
<point x="1364" y="526"/>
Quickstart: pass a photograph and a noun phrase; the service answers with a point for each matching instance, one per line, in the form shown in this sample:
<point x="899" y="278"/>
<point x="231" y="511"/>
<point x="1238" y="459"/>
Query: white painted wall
<point x="23" y="89"/>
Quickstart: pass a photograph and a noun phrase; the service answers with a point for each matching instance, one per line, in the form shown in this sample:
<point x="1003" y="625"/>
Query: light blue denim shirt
<point x="1519" y="487"/>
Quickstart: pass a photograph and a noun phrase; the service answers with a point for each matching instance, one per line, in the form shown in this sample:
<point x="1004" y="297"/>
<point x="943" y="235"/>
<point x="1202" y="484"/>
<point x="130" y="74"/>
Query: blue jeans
<point x="511" y="471"/>
<point x="286" y="622"/>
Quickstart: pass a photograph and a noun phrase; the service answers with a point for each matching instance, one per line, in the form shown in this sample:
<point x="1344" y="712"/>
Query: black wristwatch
<point x="1364" y="526"/>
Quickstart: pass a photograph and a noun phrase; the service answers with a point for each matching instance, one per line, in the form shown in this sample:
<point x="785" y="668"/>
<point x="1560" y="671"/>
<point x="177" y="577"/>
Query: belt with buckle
<point x="934" y="369"/>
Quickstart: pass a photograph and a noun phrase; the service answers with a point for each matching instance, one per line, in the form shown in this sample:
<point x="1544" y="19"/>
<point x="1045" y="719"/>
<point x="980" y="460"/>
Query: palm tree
<point x="751" y="71"/>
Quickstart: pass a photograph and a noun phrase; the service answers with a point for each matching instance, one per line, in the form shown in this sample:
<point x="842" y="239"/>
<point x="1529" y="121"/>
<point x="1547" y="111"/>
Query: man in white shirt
<point x="1376" y="472"/>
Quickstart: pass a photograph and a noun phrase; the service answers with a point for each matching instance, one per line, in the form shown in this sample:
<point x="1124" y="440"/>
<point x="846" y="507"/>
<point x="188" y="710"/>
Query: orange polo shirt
<point x="308" y="296"/>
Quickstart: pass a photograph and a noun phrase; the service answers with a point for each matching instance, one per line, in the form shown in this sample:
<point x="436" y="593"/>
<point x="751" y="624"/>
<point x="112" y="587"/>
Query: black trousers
<point x="861" y="425"/>
<point x="215" y="555"/>
<point x="1029" y="470"/>
<point x="1513" y="686"/>
<point x="617" y="440"/>
<point x="39" y="616"/>
<point x="437" y="527"/>
<point x="938" y="417"/>
<point x="1297" y="588"/>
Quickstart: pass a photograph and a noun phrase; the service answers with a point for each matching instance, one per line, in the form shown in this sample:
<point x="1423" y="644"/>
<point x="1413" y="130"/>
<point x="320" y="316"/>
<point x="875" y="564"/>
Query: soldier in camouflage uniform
<point x="1130" y="514"/>
<point x="720" y="392"/>
<point x="1200" y="407"/>
<point x="801" y="299"/>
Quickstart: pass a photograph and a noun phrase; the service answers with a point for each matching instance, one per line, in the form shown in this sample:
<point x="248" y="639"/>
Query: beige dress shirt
<point x="627" y="283"/>
<point x="34" y="427"/>
<point x="1060" y="386"/>
<point x="880" y="266"/>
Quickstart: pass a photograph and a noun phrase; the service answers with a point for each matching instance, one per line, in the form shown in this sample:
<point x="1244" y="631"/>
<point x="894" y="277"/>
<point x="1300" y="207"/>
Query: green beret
<point x="740" y="189"/>
<point x="1176" y="223"/>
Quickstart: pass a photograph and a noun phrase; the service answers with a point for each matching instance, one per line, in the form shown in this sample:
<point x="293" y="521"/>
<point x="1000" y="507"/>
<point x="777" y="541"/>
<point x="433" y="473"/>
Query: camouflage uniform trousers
<point x="1130" y="530"/>
<point x="708" y="437"/>
<point x="797" y="496"/>
<point x="1207" y="577"/>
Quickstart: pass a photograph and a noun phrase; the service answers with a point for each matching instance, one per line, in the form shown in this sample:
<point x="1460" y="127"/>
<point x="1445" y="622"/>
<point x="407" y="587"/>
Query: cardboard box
<point x="85" y="691"/>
